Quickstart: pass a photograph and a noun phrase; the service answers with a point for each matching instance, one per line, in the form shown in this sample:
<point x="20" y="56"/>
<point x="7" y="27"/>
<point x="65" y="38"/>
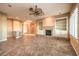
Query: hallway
<point x="36" y="45"/>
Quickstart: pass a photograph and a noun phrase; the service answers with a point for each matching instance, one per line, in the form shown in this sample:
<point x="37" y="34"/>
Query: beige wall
<point x="10" y="27"/>
<point x="16" y="25"/>
<point x="49" y="21"/>
<point x="29" y="28"/>
<point x="25" y="27"/>
<point x="17" y="28"/>
<point x="33" y="28"/>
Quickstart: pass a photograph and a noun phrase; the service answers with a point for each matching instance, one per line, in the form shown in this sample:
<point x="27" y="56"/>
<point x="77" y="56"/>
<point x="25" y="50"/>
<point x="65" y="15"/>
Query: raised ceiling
<point x="20" y="10"/>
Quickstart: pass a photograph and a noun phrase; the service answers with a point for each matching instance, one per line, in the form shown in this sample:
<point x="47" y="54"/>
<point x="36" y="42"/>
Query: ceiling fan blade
<point x="36" y="11"/>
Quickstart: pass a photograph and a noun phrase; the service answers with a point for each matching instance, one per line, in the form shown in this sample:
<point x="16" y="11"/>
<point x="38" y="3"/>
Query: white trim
<point x="3" y="40"/>
<point x="62" y="17"/>
<point x="65" y="17"/>
<point x="18" y="36"/>
<point x="30" y="34"/>
<point x="74" y="47"/>
<point x="66" y="21"/>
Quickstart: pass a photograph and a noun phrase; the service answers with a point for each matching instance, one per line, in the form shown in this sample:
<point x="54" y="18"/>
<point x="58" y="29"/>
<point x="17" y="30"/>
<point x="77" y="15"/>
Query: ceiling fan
<point x="36" y="11"/>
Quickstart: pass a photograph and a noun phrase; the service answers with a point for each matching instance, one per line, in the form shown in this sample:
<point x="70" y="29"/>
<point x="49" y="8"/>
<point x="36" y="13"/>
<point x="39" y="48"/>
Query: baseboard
<point x="3" y="40"/>
<point x="30" y="34"/>
<point x="18" y="37"/>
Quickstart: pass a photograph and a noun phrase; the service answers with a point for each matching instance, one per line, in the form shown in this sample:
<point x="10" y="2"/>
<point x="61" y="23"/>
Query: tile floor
<point x="36" y="46"/>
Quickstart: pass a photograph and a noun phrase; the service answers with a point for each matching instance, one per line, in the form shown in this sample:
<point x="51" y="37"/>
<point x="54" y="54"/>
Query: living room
<point x="30" y="29"/>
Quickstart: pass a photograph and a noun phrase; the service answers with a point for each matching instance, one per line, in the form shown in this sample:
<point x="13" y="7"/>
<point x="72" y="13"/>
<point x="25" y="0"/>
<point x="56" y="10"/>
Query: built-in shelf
<point x="61" y="24"/>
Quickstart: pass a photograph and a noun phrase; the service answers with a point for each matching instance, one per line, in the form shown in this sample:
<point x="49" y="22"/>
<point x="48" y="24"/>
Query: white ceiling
<point x="20" y="10"/>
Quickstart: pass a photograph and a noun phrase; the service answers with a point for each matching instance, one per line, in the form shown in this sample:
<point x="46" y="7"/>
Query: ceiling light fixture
<point x="36" y="11"/>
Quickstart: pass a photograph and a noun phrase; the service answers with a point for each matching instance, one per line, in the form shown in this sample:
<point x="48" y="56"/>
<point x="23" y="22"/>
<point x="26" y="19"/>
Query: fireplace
<point x="48" y="32"/>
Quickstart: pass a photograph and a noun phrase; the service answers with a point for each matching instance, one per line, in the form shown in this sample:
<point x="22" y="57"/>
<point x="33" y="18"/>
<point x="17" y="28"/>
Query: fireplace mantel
<point x="48" y="27"/>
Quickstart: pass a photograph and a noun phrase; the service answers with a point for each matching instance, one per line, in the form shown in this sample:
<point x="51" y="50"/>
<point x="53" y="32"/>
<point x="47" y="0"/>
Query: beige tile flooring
<point x="36" y="46"/>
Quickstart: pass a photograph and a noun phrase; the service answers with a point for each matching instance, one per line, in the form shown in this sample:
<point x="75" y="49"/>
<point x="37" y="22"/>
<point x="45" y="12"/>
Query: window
<point x="74" y="23"/>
